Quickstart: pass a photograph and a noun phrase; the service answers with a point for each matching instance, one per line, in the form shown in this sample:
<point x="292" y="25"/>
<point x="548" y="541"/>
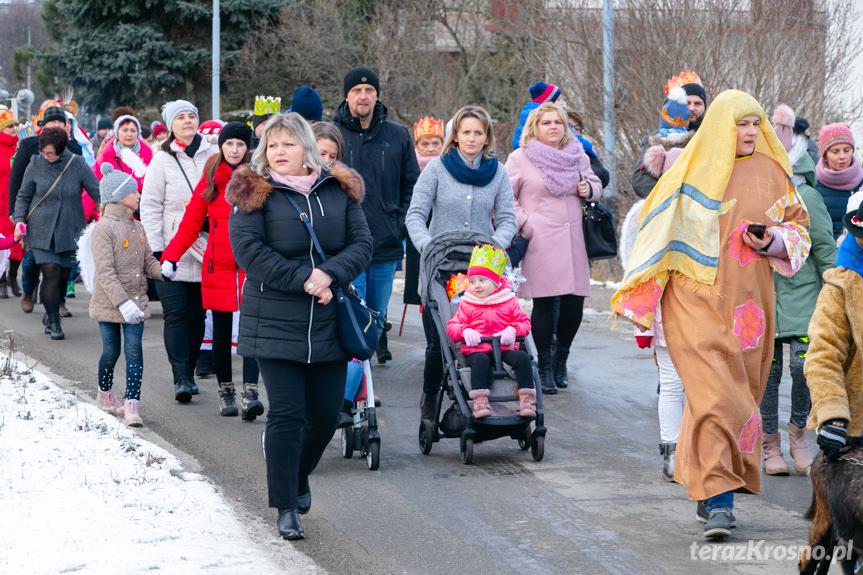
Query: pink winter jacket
<point x="488" y="316"/>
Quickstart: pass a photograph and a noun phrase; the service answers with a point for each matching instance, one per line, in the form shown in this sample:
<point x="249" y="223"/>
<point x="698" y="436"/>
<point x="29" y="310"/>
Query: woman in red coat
<point x="8" y="145"/>
<point x="221" y="279"/>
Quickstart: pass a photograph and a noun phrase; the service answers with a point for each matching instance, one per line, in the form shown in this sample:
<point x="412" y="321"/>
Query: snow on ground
<point x="82" y="493"/>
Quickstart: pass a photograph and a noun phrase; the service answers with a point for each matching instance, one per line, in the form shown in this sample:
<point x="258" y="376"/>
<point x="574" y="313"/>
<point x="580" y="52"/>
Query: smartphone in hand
<point x="757" y="230"/>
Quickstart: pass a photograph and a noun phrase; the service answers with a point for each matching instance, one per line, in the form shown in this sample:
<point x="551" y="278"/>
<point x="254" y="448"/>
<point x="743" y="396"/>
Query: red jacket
<point x="8" y="145"/>
<point x="488" y="316"/>
<point x="109" y="155"/>
<point x="221" y="279"/>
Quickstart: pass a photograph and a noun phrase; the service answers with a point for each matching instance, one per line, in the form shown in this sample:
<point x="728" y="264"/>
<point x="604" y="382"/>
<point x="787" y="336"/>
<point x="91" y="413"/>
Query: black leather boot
<point x="54" y="327"/>
<point x="289" y="525"/>
<point x="546" y="375"/>
<point x="12" y="277"/>
<point x="304" y="495"/>
<point x="428" y="406"/>
<point x="558" y="367"/>
<point x="383" y="351"/>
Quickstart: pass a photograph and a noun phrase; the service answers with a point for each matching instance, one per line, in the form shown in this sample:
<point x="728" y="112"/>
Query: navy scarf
<point x="481" y="176"/>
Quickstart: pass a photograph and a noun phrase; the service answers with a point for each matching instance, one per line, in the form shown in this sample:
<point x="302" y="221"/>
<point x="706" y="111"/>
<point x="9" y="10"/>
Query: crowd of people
<point x="725" y="256"/>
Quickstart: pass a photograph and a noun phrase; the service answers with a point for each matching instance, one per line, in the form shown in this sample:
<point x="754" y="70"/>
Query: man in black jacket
<point x="382" y="152"/>
<point x="696" y="100"/>
<point x="53" y="117"/>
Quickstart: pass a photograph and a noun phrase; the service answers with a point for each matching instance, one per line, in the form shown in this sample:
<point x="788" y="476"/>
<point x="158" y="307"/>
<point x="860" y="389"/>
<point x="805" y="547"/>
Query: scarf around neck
<point x="850" y="256"/>
<point x="190" y="148"/>
<point x="458" y="169"/>
<point x="302" y="184"/>
<point x="118" y="147"/>
<point x="423" y="161"/>
<point x="558" y="167"/>
<point x="843" y="180"/>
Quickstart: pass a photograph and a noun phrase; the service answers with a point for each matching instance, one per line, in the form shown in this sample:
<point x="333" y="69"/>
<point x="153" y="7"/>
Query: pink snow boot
<point x="132" y="418"/>
<point x="526" y="402"/>
<point x="108" y="401"/>
<point x="480" y="402"/>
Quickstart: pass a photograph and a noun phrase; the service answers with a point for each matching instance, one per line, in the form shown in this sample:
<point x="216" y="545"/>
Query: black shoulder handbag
<point x="360" y="328"/>
<point x="600" y="240"/>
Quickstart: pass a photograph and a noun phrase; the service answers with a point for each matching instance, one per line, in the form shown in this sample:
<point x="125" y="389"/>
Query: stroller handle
<point x="498" y="372"/>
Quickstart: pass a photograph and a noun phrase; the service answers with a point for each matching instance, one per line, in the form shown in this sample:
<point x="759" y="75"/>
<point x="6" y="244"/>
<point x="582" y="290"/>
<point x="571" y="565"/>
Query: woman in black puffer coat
<point x="288" y="320"/>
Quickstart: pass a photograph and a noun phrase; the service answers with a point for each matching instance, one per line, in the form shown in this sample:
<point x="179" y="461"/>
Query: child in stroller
<point x="489" y="308"/>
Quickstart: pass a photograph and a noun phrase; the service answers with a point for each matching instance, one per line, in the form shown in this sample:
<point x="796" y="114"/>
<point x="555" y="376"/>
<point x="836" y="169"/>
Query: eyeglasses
<point x="48" y="155"/>
<point x="576" y="129"/>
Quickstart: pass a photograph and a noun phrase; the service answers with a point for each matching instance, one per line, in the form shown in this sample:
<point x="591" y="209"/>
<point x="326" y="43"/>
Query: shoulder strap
<point x="184" y="173"/>
<point x="51" y="189"/>
<point x="304" y="217"/>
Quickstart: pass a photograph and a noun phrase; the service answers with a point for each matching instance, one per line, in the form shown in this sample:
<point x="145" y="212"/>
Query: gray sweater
<point x="457" y="206"/>
<point x="61" y="214"/>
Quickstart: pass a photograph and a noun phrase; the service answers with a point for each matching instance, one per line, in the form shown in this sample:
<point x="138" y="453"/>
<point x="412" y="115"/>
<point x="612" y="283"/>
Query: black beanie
<point x="361" y="75"/>
<point x="800" y="125"/>
<point x="696" y="90"/>
<point x="104" y="124"/>
<point x="235" y="130"/>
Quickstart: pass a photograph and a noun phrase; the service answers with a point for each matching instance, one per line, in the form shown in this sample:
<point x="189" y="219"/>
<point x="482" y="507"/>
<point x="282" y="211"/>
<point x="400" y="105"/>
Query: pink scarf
<point x="301" y="184"/>
<point x="559" y="167"/>
<point x="843" y="180"/>
<point x="423" y="161"/>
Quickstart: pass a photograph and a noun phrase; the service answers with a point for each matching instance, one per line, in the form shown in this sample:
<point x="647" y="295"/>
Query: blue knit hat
<point x="307" y="103"/>
<point x="675" y="113"/>
<point x="541" y="93"/>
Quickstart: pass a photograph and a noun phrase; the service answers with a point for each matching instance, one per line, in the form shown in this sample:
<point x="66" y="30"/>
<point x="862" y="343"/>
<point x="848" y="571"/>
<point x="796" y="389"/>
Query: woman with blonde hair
<point x="461" y="190"/>
<point x="551" y="179"/>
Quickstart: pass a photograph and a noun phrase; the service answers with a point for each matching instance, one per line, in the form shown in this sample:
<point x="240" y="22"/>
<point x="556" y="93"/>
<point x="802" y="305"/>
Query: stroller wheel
<point x="425" y="436"/>
<point x="347" y="442"/>
<point x="524" y="442"/>
<point x="466" y="450"/>
<point x="537" y="447"/>
<point x="373" y="457"/>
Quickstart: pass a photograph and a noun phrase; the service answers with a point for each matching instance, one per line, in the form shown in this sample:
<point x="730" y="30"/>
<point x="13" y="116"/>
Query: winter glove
<point x="131" y="312"/>
<point x="644" y="341"/>
<point x="471" y="337"/>
<point x="831" y="438"/>
<point x="507" y="337"/>
<point x="169" y="269"/>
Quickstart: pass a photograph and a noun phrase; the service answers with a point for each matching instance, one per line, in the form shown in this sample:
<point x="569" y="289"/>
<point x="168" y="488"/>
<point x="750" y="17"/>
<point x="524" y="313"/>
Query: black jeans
<point x="480" y="364"/>
<point x="433" y="370"/>
<point x="305" y="400"/>
<point x="542" y="321"/>
<point x="223" y="326"/>
<point x="184" y="325"/>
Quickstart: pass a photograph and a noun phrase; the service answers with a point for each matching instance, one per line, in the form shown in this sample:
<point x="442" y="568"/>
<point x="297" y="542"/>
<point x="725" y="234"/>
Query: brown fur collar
<point x="249" y="191"/>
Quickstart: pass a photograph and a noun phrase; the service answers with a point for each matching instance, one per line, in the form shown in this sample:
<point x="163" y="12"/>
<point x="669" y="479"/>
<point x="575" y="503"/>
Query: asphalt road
<point x="594" y="505"/>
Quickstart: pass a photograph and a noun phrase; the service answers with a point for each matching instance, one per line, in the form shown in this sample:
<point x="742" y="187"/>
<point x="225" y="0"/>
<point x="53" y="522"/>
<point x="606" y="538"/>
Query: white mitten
<point x="131" y="312"/>
<point x="169" y="270"/>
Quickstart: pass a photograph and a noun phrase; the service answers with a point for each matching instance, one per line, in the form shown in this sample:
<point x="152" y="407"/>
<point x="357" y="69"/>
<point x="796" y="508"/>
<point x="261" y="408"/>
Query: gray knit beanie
<point x="172" y="109"/>
<point x="115" y="185"/>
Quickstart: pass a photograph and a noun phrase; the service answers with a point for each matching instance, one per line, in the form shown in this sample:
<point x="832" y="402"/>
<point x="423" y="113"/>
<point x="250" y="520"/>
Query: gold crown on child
<point x="488" y="257"/>
<point x="267" y="105"/>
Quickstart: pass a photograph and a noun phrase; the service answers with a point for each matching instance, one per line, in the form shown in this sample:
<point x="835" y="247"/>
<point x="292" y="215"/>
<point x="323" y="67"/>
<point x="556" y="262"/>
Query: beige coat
<point x="833" y="362"/>
<point x="123" y="259"/>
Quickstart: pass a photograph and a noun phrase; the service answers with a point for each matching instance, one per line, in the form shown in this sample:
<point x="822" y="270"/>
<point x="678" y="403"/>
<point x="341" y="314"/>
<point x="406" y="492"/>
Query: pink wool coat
<point x="555" y="262"/>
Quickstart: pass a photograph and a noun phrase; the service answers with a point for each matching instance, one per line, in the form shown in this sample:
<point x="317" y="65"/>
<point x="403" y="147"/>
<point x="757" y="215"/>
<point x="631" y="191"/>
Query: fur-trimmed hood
<point x="249" y="191"/>
<point x="676" y="140"/>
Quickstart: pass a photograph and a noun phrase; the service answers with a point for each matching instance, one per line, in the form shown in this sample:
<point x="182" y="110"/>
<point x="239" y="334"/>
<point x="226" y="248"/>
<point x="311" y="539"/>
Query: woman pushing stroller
<point x="490" y="308"/>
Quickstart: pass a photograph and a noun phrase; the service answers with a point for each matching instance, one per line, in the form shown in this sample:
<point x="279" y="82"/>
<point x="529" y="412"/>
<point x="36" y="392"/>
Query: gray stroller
<point x="447" y="254"/>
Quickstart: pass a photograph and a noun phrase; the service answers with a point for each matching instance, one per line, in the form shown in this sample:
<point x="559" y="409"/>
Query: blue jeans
<point x="375" y="285"/>
<point x="722" y="500"/>
<point x="353" y="380"/>
<point x="111" y="353"/>
<point x="29" y="273"/>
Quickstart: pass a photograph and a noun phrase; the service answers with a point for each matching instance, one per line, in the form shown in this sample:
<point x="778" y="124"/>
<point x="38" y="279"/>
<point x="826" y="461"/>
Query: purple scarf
<point x="843" y="180"/>
<point x="558" y="167"/>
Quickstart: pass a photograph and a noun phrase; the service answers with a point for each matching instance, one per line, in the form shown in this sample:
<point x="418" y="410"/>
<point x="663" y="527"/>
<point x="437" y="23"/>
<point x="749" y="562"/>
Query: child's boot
<point x="799" y="450"/>
<point x="252" y="408"/>
<point x="108" y="401"/>
<point x="132" y="419"/>
<point x="227" y="399"/>
<point x="774" y="464"/>
<point x="525" y="402"/>
<point x="480" y="402"/>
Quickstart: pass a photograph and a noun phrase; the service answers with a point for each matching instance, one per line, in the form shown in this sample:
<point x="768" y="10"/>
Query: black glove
<point x="158" y="255"/>
<point x="831" y="438"/>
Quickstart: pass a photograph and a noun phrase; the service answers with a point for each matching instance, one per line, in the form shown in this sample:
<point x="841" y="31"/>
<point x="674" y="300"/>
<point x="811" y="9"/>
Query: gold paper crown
<point x="6" y="118"/>
<point x="488" y="257"/>
<point x="457" y="283"/>
<point x="687" y="77"/>
<point x="428" y="127"/>
<point x="267" y="105"/>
